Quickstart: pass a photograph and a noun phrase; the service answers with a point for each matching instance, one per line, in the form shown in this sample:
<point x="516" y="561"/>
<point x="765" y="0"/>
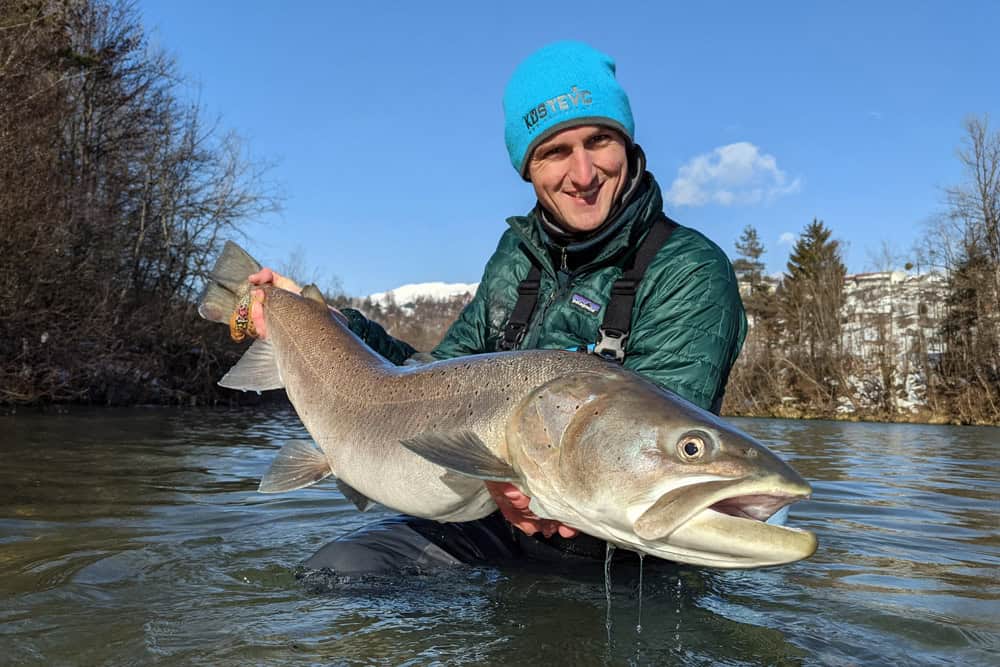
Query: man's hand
<point x="267" y="277"/>
<point x="514" y="506"/>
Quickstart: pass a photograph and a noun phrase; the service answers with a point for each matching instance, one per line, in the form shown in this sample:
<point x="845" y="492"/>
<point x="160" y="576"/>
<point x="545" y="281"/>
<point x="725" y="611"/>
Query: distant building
<point x="770" y="282"/>
<point x="903" y="308"/>
<point x="889" y="315"/>
<point x="886" y="305"/>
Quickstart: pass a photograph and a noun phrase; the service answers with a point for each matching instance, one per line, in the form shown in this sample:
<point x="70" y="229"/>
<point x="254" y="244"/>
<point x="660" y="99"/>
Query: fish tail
<point x="227" y="285"/>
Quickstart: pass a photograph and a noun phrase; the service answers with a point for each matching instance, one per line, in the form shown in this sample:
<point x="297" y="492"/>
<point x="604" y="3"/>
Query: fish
<point x="595" y="446"/>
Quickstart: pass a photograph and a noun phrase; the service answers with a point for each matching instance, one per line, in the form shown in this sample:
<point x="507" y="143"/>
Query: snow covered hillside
<point x="436" y="291"/>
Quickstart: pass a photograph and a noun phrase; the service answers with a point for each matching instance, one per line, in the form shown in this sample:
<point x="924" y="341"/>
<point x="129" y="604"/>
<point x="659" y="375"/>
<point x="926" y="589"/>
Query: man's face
<point x="578" y="175"/>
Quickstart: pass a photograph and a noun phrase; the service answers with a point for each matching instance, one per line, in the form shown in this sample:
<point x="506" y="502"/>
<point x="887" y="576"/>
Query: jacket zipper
<point x="558" y="289"/>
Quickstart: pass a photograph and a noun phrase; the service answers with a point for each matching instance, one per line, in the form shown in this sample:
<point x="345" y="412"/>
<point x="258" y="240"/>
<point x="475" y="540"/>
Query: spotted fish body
<point x="595" y="446"/>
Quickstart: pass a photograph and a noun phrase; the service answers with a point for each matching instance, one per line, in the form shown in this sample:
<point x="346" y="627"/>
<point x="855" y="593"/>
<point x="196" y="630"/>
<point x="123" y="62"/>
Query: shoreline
<point x="248" y="400"/>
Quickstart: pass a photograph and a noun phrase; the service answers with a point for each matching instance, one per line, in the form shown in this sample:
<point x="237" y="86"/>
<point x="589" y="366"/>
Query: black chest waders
<point x="612" y="336"/>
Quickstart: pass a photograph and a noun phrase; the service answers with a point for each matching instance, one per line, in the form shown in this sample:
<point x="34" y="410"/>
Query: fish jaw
<point x="720" y="540"/>
<point x="725" y="528"/>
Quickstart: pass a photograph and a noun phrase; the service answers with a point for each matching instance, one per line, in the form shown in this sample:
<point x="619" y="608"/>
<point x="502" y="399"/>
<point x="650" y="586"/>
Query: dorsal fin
<point x="312" y="292"/>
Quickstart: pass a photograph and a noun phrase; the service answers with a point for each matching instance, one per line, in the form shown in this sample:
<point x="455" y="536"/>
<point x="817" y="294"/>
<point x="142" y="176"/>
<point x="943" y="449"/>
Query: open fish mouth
<point x="723" y="523"/>
<point x="750" y="499"/>
<point x="757" y="506"/>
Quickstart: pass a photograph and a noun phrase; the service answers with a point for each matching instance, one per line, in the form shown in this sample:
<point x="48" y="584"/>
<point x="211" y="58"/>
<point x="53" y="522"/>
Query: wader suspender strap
<point x="613" y="334"/>
<point x="527" y="297"/>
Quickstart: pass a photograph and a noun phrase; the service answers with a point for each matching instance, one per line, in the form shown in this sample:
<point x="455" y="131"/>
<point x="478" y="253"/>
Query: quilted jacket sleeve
<point x="467" y="334"/>
<point x="470" y="333"/>
<point x="377" y="338"/>
<point x="688" y="328"/>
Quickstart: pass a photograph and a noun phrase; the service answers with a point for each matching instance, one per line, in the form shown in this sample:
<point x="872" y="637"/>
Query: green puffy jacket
<point x="687" y="324"/>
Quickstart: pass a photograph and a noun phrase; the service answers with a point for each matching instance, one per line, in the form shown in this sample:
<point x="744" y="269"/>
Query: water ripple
<point x="137" y="537"/>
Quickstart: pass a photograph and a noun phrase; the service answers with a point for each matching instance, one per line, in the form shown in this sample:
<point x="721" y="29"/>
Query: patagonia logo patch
<point x="586" y="304"/>
<point x="557" y="105"/>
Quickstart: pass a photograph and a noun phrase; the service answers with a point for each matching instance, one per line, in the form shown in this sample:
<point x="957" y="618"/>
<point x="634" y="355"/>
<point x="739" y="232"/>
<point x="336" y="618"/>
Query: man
<point x="570" y="133"/>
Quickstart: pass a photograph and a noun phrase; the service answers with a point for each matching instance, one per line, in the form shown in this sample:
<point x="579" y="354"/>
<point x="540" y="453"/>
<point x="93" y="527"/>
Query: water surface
<point x="136" y="537"/>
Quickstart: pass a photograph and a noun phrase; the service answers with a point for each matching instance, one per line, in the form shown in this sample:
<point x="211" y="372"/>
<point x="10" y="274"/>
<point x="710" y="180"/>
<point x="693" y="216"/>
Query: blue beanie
<point x="559" y="86"/>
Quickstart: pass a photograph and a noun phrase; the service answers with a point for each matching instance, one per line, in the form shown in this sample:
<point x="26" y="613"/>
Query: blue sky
<point x="385" y="122"/>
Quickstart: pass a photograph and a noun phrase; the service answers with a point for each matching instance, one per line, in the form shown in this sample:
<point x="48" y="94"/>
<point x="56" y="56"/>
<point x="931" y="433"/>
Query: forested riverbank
<point x="116" y="194"/>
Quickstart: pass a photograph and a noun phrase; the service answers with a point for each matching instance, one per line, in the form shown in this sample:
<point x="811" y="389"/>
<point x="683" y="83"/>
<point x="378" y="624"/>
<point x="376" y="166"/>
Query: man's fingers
<point x="545" y="527"/>
<point x="567" y="531"/>
<point x="521" y="502"/>
<point x="515" y="514"/>
<point x="262" y="277"/>
<point x="527" y="527"/>
<point x="514" y="505"/>
<point x="257" y="312"/>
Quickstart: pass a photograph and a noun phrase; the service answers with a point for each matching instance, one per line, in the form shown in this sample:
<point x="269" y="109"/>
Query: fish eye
<point x="692" y="446"/>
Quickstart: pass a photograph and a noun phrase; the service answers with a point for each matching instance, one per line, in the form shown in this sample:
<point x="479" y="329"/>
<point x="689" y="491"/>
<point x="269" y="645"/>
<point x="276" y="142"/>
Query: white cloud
<point x="730" y="175"/>
<point x="787" y="238"/>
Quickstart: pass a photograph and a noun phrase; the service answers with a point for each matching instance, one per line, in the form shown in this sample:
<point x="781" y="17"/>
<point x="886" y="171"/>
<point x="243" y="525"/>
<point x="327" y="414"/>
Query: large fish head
<point x="649" y="471"/>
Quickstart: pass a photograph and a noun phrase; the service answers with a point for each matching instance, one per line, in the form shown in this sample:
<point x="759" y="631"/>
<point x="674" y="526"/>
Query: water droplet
<point x="638" y="625"/>
<point x="608" y="553"/>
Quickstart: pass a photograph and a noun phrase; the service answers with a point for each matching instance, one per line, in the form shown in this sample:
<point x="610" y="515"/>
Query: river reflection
<point x="136" y="536"/>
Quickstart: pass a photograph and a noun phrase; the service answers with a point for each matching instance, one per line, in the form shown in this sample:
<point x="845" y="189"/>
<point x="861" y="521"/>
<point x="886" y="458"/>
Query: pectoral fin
<point x="257" y="370"/>
<point x="463" y="453"/>
<point x="677" y="506"/>
<point x="298" y="464"/>
<point x="360" y="500"/>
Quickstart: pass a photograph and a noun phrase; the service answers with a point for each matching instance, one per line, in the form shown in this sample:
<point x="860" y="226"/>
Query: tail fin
<point x="226" y="282"/>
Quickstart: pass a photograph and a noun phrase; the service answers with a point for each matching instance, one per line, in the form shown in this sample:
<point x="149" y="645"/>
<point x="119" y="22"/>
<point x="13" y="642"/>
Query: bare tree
<point x="975" y="206"/>
<point x="116" y="197"/>
<point x="298" y="268"/>
<point x="964" y="243"/>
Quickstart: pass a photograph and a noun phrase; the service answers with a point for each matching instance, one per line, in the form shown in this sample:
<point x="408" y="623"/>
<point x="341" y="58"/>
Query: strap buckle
<point x="611" y="344"/>
<point x="513" y="334"/>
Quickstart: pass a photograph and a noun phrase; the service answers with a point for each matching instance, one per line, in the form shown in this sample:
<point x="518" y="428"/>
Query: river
<point x="136" y="537"/>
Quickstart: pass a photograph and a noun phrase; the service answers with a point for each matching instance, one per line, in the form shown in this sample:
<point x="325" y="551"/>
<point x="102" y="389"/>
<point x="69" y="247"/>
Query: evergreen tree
<point x="749" y="269"/>
<point x="748" y="266"/>
<point x="812" y="293"/>
<point x="755" y="386"/>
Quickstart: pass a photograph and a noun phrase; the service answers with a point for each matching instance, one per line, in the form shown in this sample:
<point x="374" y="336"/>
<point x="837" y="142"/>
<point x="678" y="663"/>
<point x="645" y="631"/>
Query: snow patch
<point x="436" y="291"/>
